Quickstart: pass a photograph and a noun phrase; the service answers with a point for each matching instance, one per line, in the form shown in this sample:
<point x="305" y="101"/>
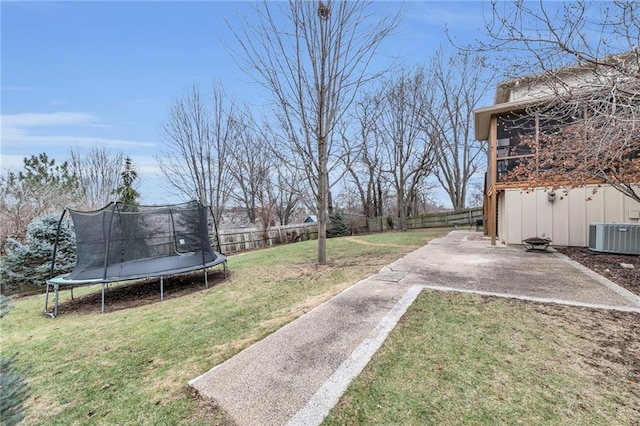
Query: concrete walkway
<point x="297" y="374"/>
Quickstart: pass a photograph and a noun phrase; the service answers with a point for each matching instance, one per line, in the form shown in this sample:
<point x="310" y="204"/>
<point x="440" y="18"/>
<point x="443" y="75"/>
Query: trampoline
<point x="123" y="242"/>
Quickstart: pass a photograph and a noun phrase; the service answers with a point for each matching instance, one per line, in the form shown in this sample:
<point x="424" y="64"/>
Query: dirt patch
<point x="368" y="243"/>
<point x="615" y="347"/>
<point x="614" y="334"/>
<point x="138" y="293"/>
<point x="608" y="265"/>
<point x="211" y="413"/>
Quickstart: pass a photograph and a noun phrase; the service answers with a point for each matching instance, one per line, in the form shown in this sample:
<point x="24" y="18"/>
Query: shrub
<point x="29" y="264"/>
<point x="339" y="227"/>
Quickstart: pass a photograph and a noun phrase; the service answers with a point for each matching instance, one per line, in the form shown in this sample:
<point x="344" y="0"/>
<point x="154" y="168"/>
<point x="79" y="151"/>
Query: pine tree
<point x="133" y="227"/>
<point x="30" y="263"/>
<point x="42" y="186"/>
<point x="339" y="227"/>
<point x="126" y="193"/>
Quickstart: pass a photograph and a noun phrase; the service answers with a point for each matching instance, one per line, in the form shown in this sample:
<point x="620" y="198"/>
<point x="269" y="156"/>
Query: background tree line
<point x="401" y="137"/>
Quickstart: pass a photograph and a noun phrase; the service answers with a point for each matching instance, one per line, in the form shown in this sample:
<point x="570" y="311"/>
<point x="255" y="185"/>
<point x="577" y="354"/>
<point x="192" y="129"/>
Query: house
<point x="517" y="210"/>
<point x="310" y="219"/>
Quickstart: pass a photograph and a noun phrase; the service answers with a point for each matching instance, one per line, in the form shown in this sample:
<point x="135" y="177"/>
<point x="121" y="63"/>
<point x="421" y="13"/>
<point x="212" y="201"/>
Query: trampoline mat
<point x="142" y="268"/>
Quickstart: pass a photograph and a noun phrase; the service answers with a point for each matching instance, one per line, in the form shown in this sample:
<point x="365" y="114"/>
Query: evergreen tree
<point x="126" y="192"/>
<point x="134" y="228"/>
<point x="43" y="186"/>
<point x="30" y="263"/>
<point x="13" y="389"/>
<point x="339" y="227"/>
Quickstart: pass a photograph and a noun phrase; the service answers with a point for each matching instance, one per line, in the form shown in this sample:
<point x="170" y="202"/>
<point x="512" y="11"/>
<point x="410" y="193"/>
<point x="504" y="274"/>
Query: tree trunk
<point x="323" y="200"/>
<point x="402" y="214"/>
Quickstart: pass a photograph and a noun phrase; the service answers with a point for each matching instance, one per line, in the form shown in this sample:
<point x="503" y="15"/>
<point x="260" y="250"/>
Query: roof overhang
<point x="482" y="116"/>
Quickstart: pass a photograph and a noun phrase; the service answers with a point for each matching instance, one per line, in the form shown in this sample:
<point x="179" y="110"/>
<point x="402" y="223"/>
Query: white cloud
<point x="146" y="165"/>
<point x="55" y="133"/>
<point x="11" y="162"/>
<point x="82" y="141"/>
<point x="17" y="131"/>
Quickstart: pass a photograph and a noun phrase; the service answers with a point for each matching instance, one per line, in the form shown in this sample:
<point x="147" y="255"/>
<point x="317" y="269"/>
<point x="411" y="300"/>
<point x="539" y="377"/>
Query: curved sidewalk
<point x="297" y="374"/>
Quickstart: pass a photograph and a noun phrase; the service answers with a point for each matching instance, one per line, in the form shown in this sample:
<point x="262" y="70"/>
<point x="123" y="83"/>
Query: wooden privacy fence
<point x="252" y="238"/>
<point x="466" y="217"/>
<point x="237" y="240"/>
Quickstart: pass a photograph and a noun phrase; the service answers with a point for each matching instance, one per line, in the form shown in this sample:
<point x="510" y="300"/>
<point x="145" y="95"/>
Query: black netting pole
<point x="203" y="229"/>
<point x="55" y="246"/>
<point x="52" y="269"/>
<point x="173" y="231"/>
<point x="106" y="252"/>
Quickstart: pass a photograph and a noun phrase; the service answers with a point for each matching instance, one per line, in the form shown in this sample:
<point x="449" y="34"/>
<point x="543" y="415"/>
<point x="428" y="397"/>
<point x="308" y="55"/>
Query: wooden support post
<point x="493" y="178"/>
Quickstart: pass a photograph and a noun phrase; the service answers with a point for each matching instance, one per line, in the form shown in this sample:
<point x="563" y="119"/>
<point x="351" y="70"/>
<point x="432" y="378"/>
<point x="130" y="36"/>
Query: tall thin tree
<point x="460" y="84"/>
<point x="409" y="157"/>
<point x="197" y="138"/>
<point x="364" y="160"/>
<point x="313" y="57"/>
<point x="127" y="193"/>
<point x="250" y="164"/>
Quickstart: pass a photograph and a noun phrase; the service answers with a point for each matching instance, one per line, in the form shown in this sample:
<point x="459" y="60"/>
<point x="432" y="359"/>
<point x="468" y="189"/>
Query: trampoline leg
<point x="46" y="300"/>
<point x="102" y="310"/>
<point x="161" y="289"/>
<point x="71" y="292"/>
<point x="206" y="279"/>
<point x="56" y="288"/>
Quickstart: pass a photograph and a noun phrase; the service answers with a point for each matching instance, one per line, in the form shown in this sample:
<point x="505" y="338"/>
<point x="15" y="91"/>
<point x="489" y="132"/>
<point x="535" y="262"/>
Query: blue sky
<point x="79" y="74"/>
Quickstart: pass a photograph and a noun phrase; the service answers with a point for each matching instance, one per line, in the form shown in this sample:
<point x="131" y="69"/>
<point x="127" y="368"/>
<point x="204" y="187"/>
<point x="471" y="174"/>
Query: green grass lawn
<point x="458" y="359"/>
<point x="132" y="366"/>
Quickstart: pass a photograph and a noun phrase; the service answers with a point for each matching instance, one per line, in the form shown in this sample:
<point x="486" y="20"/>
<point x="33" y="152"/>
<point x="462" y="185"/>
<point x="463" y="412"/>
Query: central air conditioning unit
<point x="623" y="238"/>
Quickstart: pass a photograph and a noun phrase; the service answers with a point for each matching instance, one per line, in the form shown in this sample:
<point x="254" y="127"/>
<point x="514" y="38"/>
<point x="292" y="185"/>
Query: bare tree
<point x="363" y="162"/>
<point x="422" y="200"/>
<point x="313" y="57"/>
<point x="459" y="85"/>
<point x="409" y="157"/>
<point x="250" y="165"/>
<point x="198" y="137"/>
<point x="287" y="185"/>
<point x="586" y="59"/>
<point x="98" y="173"/>
<point x="287" y="194"/>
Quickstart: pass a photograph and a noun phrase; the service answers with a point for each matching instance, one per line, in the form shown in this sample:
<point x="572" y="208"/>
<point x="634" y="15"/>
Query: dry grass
<point x="131" y="366"/>
<point x="463" y="359"/>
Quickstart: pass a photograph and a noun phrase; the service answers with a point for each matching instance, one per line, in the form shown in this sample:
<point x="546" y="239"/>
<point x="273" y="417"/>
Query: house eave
<point x="482" y="116"/>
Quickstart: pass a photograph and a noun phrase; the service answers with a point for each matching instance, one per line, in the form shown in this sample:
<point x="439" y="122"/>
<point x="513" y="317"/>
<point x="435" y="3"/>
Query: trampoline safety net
<point x="123" y="241"/>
